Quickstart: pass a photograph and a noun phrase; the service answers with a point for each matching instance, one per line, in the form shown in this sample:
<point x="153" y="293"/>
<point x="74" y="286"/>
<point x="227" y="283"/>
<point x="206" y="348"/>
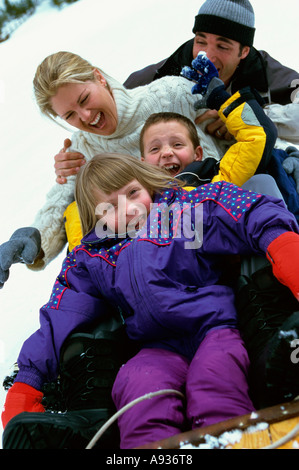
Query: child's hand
<point x="283" y="254"/>
<point x="206" y="77"/>
<point x="21" y="397"/>
<point x="202" y="72"/>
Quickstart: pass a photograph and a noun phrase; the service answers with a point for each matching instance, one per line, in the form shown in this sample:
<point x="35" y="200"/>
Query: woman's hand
<point x="215" y="128"/>
<point x="67" y="163"/>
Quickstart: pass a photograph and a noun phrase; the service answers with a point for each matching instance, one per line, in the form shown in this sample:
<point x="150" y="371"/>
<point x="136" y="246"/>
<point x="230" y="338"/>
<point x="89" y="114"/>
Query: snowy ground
<point x="118" y="37"/>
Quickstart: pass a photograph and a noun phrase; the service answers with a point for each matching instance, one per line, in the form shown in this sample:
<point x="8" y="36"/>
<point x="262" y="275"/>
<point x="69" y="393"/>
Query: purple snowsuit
<point x="167" y="283"/>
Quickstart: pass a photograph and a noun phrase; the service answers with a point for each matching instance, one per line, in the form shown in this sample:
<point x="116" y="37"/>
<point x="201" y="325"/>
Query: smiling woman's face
<point x="88" y="106"/>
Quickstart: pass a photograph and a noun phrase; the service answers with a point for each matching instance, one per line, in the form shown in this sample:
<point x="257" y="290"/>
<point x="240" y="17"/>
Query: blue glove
<point x="23" y="247"/>
<point x="207" y="82"/>
<point x="291" y="164"/>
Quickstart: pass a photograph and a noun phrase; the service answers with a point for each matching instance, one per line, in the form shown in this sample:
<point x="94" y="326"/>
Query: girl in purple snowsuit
<point x="156" y="251"/>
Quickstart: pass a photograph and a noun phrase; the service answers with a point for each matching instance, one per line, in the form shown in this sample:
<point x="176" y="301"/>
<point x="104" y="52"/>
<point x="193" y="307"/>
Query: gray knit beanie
<point x="233" y="19"/>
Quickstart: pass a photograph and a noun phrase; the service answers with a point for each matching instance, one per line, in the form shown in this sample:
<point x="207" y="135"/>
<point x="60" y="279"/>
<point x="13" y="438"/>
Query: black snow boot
<point x="263" y="306"/>
<point x="282" y="366"/>
<point x="89" y="362"/>
<point x="52" y="430"/>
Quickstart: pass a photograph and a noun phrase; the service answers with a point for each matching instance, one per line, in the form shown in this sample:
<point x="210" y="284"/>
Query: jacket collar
<point x="174" y="64"/>
<point x="251" y="72"/>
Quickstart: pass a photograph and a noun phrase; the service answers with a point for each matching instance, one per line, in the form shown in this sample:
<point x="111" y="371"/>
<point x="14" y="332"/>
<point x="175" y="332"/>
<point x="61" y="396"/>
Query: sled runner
<point x="261" y="429"/>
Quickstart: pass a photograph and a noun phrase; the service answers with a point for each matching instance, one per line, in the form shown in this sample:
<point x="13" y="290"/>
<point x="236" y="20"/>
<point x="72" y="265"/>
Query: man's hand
<point x="67" y="163"/>
<point x="215" y="128"/>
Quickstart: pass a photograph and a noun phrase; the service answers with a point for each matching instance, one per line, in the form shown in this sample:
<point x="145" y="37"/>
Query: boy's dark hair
<point x="167" y="117"/>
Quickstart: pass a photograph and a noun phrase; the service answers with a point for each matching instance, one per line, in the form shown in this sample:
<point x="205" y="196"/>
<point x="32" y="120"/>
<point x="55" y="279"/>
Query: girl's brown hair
<point x="111" y="172"/>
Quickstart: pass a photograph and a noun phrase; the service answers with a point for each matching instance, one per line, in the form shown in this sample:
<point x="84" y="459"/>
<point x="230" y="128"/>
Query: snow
<point x="119" y="37"/>
<point x="226" y="439"/>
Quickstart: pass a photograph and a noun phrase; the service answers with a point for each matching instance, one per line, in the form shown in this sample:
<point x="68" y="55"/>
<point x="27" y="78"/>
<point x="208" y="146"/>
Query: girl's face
<point x="125" y="210"/>
<point x="168" y="145"/>
<point x="88" y="106"/>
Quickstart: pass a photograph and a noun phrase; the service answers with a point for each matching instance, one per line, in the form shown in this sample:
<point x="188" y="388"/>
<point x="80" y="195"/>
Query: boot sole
<point x="48" y="430"/>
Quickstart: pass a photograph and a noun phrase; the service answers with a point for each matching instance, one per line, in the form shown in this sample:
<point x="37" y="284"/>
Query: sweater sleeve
<point x="255" y="136"/>
<point x="286" y="119"/>
<point x="75" y="301"/>
<point x="49" y="221"/>
<point x="50" y="218"/>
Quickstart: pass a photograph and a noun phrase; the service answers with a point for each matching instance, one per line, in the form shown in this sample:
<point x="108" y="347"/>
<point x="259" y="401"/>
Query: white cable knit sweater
<point x="133" y="107"/>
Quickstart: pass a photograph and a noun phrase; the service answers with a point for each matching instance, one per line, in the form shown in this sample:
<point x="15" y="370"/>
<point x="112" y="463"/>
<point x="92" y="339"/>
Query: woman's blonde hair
<point x="111" y="172"/>
<point x="56" y="70"/>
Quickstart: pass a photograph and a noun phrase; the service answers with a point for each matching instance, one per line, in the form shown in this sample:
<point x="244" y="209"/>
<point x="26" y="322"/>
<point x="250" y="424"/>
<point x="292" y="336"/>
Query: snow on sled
<point x="275" y="427"/>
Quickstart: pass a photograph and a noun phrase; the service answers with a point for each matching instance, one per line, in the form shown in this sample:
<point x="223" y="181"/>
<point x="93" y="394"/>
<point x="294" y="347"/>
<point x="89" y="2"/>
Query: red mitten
<point x="283" y="254"/>
<point x="21" y="397"/>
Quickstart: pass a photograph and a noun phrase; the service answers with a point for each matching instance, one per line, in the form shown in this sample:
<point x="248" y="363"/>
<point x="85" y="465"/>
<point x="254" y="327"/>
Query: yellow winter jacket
<point x="72" y="225"/>
<point x="255" y="137"/>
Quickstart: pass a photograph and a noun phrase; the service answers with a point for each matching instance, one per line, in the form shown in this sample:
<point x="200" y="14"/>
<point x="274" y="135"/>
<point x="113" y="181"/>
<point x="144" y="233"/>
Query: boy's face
<point x="168" y="145"/>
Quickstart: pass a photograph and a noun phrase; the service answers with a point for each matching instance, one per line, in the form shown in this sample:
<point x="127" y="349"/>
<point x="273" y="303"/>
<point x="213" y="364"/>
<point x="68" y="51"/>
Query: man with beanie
<point x="225" y="30"/>
<point x="229" y="20"/>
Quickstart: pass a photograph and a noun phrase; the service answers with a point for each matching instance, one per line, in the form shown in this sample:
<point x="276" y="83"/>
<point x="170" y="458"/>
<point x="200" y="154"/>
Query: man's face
<point x="223" y="52"/>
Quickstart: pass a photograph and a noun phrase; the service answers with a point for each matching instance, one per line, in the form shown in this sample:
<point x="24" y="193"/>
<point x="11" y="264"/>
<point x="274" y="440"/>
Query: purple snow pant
<point x="214" y="384"/>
